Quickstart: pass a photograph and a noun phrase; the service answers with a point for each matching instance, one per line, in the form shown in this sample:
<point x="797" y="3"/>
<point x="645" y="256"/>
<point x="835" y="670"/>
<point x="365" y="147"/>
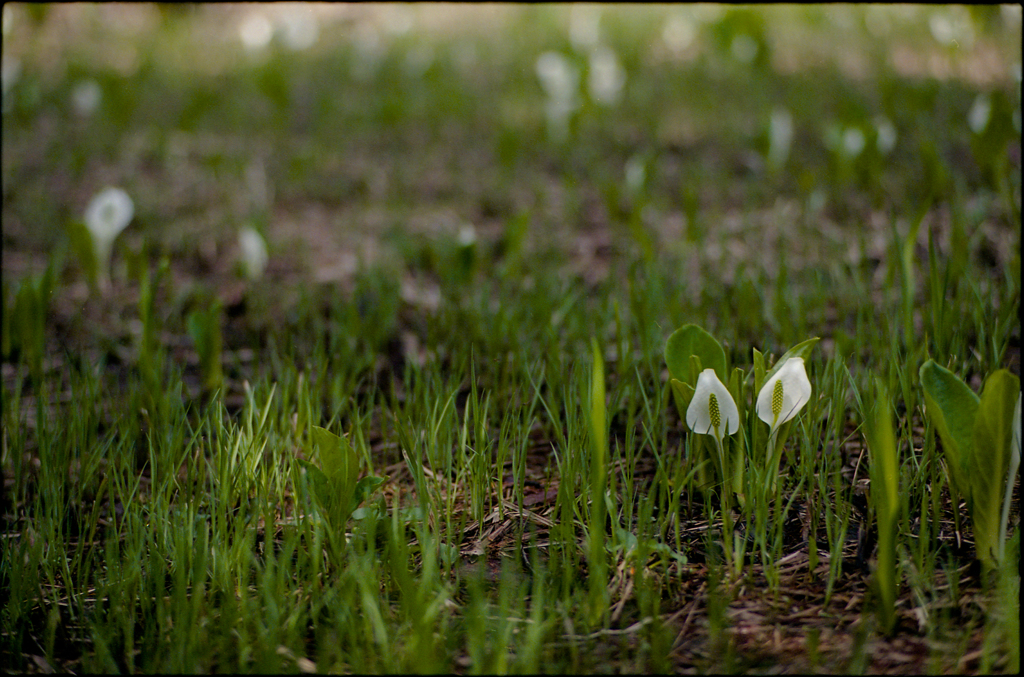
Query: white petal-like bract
<point x="108" y="214"/>
<point x="712" y="409"/>
<point x="784" y="394"/>
<point x="253" y="250"/>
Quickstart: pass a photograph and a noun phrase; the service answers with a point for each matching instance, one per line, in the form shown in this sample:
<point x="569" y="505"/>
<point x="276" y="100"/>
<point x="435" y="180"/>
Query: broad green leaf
<point x="319" y="485"/>
<point x="989" y="461"/>
<point x="951" y="406"/>
<point x="365" y="487"/>
<point x="692" y="340"/>
<point x="337" y="457"/>
<point x="799" y="350"/>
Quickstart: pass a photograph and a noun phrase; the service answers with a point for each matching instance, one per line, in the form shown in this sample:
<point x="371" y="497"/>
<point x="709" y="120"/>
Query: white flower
<point x="981" y="111"/>
<point x="780" y="133"/>
<point x="712" y="409"/>
<point x="86" y="97"/>
<point x="253" y="252"/>
<point x="559" y="78"/>
<point x="784" y="394"/>
<point x="607" y="76"/>
<point x="107" y="215"/>
<point x="887" y="136"/>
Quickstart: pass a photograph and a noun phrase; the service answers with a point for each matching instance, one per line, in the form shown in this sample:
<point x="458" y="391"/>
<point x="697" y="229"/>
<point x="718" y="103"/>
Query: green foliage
<point x="692" y="340"/>
<point x="989" y="462"/>
<point x="203" y="326"/>
<point x="598" y="478"/>
<point x="529" y="523"/>
<point x="976" y="434"/>
<point x="336" y="485"/>
<point x="884" y="497"/>
<point x="951" y="407"/>
<point x="24" y="321"/>
<point x="84" y="248"/>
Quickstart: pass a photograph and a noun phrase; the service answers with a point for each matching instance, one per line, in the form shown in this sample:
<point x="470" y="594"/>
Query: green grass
<point x="155" y="513"/>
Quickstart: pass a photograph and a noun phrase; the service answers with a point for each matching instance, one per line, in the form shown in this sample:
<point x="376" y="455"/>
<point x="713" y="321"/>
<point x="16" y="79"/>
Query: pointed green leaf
<point x="365" y="487"/>
<point x="319" y="485"/>
<point x="989" y="461"/>
<point x="759" y="370"/>
<point x="884" y="495"/>
<point x="695" y="370"/>
<point x="337" y="457"/>
<point x="951" y="407"/>
<point x="692" y="340"/>
<point x="682" y="393"/>
<point x="799" y="350"/>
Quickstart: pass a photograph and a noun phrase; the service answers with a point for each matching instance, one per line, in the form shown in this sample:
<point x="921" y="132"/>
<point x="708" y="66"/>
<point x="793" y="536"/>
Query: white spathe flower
<point x="607" y="77"/>
<point x="780" y="134"/>
<point x="712" y="409"/>
<point x="559" y="78"/>
<point x="784" y="394"/>
<point x="107" y="215"/>
<point x="253" y="250"/>
<point x="981" y="111"/>
<point x="86" y="97"/>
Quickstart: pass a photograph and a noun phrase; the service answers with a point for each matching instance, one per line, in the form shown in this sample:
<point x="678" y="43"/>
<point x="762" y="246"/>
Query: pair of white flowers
<point x="112" y="210"/>
<point x="713" y="410"/>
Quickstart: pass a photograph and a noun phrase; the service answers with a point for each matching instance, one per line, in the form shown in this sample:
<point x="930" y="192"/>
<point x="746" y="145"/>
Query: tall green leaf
<point x="884" y="496"/>
<point x="951" y="406"/>
<point x="802" y="349"/>
<point x="989" y="463"/>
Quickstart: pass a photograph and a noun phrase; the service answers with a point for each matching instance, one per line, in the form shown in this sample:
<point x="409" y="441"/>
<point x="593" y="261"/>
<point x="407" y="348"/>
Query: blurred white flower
<point x="10" y="72"/>
<point x="678" y="33"/>
<point x="369" y="53"/>
<point x="887" y="136"/>
<point x="398" y="19"/>
<point x="780" y="137"/>
<point x="259" y="187"/>
<point x="607" y="76"/>
<point x="299" y="29"/>
<point x="467" y="234"/>
<point x="981" y="111"/>
<point x="853" y="141"/>
<point x="744" y="48"/>
<point x="86" y="97"/>
<point x="109" y="212"/>
<point x="952" y="26"/>
<point x="584" y="26"/>
<point x="256" y="31"/>
<point x="636" y="174"/>
<point x="253" y="252"/>
<point x="560" y="80"/>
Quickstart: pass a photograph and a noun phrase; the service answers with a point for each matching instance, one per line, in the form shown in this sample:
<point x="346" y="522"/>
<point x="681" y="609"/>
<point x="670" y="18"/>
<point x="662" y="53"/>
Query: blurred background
<point x="337" y="130"/>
